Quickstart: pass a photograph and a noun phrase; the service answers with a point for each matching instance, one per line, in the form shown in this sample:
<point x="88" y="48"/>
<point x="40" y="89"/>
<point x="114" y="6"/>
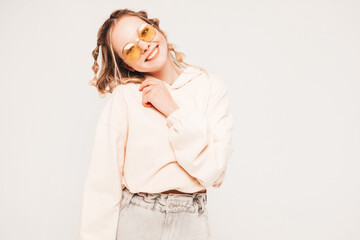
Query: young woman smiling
<point x="162" y="139"/>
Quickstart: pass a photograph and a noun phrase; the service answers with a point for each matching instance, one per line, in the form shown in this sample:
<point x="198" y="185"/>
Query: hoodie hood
<point x="186" y="76"/>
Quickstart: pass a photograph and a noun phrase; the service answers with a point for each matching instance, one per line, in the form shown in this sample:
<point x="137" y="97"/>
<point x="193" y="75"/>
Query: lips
<point x="151" y="53"/>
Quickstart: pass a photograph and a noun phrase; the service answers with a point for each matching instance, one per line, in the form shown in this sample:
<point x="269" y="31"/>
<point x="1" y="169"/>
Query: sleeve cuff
<point x="175" y="117"/>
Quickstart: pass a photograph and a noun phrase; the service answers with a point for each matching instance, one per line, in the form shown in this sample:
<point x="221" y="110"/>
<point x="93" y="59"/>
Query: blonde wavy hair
<point x="114" y="70"/>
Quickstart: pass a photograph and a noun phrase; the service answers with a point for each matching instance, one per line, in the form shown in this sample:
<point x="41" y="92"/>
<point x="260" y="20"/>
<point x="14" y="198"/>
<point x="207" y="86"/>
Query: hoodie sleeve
<point x="102" y="191"/>
<point x="202" y="143"/>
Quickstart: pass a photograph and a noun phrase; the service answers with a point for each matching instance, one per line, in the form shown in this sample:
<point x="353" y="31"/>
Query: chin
<point x="156" y="67"/>
<point x="159" y="62"/>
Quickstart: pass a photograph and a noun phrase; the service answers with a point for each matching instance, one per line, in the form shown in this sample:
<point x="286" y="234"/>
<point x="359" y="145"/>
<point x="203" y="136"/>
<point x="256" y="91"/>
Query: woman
<point x="162" y="139"/>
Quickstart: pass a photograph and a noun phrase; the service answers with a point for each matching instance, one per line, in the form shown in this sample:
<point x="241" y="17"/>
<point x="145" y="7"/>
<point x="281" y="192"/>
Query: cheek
<point x="163" y="45"/>
<point x="163" y="48"/>
<point x="132" y="64"/>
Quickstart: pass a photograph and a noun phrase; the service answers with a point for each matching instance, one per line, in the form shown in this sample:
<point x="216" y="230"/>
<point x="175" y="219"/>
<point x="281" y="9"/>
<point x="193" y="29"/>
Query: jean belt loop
<point x="128" y="196"/>
<point x="200" y="203"/>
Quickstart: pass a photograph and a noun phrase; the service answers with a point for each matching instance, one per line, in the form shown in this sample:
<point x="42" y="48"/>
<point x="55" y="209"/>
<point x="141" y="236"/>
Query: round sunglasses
<point x="132" y="51"/>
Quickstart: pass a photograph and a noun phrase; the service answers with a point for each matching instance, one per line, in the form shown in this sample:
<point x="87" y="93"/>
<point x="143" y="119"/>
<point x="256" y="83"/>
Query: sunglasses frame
<point x="136" y="44"/>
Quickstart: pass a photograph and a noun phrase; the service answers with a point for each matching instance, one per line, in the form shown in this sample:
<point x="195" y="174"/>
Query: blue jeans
<point x="163" y="216"/>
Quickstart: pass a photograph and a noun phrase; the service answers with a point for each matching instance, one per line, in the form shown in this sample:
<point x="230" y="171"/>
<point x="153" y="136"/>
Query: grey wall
<point x="292" y="68"/>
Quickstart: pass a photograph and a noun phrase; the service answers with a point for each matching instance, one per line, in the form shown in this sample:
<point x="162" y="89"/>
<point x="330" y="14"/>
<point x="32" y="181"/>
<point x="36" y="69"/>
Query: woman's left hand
<point x="156" y="94"/>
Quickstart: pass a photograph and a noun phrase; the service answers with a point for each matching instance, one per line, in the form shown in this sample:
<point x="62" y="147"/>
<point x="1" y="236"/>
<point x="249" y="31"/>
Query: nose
<point x="144" y="46"/>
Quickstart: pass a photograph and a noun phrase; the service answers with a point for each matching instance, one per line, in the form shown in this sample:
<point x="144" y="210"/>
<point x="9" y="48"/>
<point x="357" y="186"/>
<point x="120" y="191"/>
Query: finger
<point x="145" y="102"/>
<point x="145" y="83"/>
<point x="146" y="90"/>
<point x="147" y="95"/>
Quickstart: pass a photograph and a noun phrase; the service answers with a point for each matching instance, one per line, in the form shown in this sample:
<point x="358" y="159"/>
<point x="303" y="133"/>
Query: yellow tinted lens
<point x="147" y="32"/>
<point x="132" y="52"/>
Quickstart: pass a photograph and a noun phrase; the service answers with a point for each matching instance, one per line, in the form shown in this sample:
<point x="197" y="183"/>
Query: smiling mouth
<point x="153" y="56"/>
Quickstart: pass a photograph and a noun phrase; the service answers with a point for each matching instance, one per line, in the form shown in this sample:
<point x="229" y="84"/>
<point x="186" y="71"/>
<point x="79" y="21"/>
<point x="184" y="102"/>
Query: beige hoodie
<point x="139" y="148"/>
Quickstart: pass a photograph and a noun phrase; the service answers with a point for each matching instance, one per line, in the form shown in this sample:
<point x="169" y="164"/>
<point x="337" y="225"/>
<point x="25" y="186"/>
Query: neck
<point x="168" y="73"/>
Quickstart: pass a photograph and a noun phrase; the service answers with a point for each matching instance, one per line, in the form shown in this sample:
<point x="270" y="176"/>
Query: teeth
<point x="153" y="54"/>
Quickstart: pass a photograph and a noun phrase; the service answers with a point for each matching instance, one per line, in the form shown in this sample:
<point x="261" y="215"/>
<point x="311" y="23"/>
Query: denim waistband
<point x="166" y="202"/>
